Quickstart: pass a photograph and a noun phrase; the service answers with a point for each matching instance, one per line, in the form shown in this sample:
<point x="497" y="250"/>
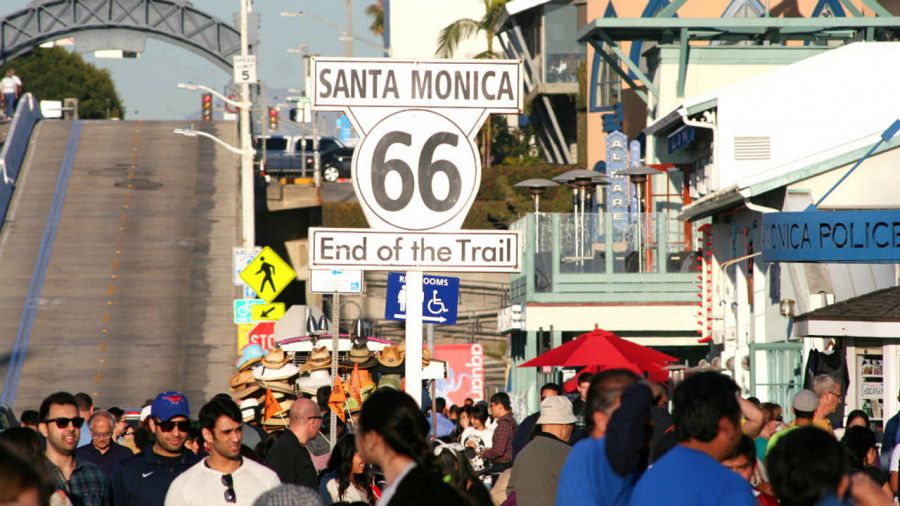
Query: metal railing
<point x="14" y="148"/>
<point x="603" y="244"/>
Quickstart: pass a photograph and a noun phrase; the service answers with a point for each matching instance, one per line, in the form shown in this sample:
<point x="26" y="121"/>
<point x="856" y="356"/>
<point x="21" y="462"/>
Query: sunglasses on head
<point x="228" y="481"/>
<point x="62" y="422"/>
<point x="183" y="425"/>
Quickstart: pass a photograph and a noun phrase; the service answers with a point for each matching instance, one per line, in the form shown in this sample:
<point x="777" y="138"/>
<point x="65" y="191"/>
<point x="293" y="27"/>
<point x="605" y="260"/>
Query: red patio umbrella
<point x="604" y="350"/>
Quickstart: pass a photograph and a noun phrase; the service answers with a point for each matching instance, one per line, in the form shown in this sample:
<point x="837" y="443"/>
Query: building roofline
<point x="666" y="29"/>
<point x="729" y="197"/>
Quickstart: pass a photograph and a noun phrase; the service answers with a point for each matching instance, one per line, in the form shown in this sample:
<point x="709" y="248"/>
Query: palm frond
<point x="452" y="34"/>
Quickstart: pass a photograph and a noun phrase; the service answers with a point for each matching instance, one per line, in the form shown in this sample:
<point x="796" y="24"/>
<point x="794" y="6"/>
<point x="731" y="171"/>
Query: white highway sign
<point x="492" y="85"/>
<point x="417" y="166"/>
<point x="245" y="69"/>
<point x="336" y="281"/>
<point x="468" y="251"/>
<point x="416" y="171"/>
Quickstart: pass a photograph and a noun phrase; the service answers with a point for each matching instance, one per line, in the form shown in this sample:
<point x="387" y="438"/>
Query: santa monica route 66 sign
<point x="417" y="168"/>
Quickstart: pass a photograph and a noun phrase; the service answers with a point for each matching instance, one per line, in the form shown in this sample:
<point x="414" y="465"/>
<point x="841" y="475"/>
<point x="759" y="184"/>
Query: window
<point x="272" y="143"/>
<point x="562" y="51"/>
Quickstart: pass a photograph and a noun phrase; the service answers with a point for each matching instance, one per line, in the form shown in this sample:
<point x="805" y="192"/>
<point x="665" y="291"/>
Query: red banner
<point x="465" y="372"/>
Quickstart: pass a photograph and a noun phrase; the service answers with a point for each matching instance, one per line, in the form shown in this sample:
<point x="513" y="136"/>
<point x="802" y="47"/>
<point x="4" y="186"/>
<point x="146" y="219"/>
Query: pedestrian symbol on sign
<point x="267" y="270"/>
<point x="268" y="274"/>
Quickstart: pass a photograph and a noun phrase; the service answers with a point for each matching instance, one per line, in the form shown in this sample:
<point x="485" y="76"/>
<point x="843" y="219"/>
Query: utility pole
<point x="348" y="32"/>
<point x="248" y="225"/>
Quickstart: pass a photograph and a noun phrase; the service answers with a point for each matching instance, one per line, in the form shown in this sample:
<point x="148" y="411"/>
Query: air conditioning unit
<point x="511" y="317"/>
<point x="820" y="300"/>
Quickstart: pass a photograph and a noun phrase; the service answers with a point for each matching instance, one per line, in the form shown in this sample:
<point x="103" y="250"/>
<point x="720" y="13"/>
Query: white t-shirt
<point x="483" y="440"/>
<point x="9" y="84"/>
<point x="350" y="495"/>
<point x="201" y="486"/>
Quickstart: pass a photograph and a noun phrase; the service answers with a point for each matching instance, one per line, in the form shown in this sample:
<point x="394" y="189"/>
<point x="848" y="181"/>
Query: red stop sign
<point x="263" y="334"/>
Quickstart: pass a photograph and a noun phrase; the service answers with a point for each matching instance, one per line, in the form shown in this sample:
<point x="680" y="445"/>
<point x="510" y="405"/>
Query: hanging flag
<point x="355" y="385"/>
<point x="337" y="399"/>
<point x="272" y="407"/>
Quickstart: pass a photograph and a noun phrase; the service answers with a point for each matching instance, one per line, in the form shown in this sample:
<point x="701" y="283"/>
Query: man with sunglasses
<point x="144" y="479"/>
<point x="289" y="456"/>
<point x="83" y="482"/>
<point x="224" y="477"/>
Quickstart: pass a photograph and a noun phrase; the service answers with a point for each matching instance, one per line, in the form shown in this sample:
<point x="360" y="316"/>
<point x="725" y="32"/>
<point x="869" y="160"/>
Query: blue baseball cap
<point x="168" y="405"/>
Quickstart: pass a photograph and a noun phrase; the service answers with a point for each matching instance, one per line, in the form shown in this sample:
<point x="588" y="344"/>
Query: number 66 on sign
<point x="417" y="167"/>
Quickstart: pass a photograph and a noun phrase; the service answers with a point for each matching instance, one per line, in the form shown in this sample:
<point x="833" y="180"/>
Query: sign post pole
<point x="429" y="334"/>
<point x="335" y="337"/>
<point x="247" y="216"/>
<point x="413" y="362"/>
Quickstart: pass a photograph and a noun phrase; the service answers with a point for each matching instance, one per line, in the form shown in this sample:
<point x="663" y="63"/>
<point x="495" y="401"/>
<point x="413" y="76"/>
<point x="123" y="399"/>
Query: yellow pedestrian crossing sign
<point x="268" y="274"/>
<point x="267" y="312"/>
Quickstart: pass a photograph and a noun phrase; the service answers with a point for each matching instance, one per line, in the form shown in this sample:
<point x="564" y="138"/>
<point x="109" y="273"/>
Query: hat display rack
<point x="299" y="366"/>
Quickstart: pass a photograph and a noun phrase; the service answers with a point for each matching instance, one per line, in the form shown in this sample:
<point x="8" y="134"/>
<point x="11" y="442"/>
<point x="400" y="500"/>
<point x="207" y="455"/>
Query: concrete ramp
<point x="116" y="264"/>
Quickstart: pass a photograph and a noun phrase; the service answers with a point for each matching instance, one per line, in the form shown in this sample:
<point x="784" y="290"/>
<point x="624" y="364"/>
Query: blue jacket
<point x="144" y="479"/>
<point x="889" y="441"/>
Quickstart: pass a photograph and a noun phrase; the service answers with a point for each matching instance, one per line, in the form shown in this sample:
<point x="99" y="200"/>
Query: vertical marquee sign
<point x="416" y="171"/>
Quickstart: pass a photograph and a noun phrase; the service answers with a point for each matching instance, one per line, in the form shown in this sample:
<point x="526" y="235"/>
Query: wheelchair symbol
<point x="435" y="305"/>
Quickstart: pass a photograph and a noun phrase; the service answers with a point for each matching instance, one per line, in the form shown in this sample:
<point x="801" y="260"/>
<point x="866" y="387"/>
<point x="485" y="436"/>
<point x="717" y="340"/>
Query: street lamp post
<point x="536" y="187"/>
<point x="246" y="153"/>
<point x="582" y="181"/>
<point x="638" y="176"/>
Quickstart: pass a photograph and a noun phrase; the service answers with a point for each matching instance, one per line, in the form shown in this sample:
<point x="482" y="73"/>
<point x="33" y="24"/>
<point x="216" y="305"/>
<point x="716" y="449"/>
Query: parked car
<point x="284" y="156"/>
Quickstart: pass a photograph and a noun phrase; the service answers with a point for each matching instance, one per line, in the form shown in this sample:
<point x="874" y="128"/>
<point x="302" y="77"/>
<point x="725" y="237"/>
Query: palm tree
<point x="465" y="28"/>
<point x="376" y="12"/>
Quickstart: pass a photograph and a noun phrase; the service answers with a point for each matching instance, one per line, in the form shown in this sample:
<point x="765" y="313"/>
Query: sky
<point x="148" y="84"/>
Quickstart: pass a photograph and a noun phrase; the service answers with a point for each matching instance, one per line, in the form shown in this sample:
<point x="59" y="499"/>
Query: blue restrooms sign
<point x="832" y="236"/>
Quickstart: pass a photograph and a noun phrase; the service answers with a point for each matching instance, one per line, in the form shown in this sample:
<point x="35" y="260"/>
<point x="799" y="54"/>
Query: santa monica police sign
<point x="832" y="236"/>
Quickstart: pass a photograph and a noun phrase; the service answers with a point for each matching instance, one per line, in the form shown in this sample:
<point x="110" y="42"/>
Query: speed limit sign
<point x="416" y="170"/>
<point x="245" y="69"/>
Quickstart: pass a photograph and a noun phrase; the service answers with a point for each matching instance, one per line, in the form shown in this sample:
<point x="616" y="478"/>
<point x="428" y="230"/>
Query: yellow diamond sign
<point x="268" y="274"/>
<point x="267" y="312"/>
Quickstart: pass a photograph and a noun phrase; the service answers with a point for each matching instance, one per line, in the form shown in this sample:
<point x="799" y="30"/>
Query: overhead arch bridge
<point x="174" y="21"/>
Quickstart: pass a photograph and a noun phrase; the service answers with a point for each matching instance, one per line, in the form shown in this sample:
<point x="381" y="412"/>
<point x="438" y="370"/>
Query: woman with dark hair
<point x="859" y="442"/>
<point x="477" y="436"/>
<point x="857" y="417"/>
<point x="353" y="480"/>
<point x="458" y="473"/>
<point x="463" y="421"/>
<point x="392" y="434"/>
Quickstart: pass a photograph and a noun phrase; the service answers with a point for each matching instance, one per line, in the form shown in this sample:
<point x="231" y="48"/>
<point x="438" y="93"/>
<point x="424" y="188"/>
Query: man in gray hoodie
<point x="535" y="473"/>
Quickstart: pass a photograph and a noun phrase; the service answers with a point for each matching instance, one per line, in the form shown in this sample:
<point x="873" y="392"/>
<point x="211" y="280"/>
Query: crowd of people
<point x="618" y="443"/>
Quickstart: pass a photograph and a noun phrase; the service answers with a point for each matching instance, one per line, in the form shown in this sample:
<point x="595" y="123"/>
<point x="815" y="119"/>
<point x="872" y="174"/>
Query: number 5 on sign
<point x="245" y="69"/>
<point x="416" y="170"/>
<point x="268" y="274"/>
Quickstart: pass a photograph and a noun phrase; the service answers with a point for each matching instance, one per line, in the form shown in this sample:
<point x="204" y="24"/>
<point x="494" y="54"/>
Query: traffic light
<point x="273" y="118"/>
<point x="612" y="122"/>
<point x="206" y="107"/>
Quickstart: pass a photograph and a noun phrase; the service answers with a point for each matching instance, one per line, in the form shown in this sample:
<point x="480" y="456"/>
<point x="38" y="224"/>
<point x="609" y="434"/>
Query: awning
<point x="875" y="314"/>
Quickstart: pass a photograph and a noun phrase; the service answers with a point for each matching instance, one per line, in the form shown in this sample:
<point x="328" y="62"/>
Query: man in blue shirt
<point x="603" y="469"/>
<point x="103" y="451"/>
<point x="85" y="411"/>
<point x="707" y="419"/>
<point x="143" y="480"/>
<point x="444" y="425"/>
